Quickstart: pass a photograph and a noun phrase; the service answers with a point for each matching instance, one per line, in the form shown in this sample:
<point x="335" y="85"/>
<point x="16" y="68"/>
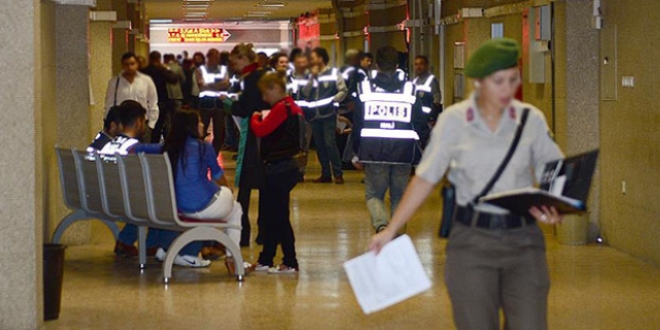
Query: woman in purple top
<point x="197" y="195"/>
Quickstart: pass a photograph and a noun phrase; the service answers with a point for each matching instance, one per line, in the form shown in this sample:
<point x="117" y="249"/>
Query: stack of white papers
<point x="392" y="276"/>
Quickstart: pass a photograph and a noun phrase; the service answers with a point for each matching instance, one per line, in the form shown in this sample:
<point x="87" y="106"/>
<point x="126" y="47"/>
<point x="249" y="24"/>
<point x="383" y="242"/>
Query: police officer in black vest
<point x="389" y="125"/>
<point x="325" y="89"/>
<point x="428" y="89"/>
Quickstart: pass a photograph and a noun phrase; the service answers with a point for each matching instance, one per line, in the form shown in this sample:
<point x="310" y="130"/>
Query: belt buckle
<point x="498" y="222"/>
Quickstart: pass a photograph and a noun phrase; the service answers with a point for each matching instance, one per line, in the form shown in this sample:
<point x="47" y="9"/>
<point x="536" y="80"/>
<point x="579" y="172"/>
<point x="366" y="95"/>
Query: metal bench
<point x="138" y="189"/>
<point x="84" y="204"/>
<point x="123" y="199"/>
<point x="163" y="213"/>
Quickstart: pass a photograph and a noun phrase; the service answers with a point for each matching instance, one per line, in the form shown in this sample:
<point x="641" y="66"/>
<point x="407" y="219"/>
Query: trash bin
<point x="53" y="272"/>
<point x="574" y="230"/>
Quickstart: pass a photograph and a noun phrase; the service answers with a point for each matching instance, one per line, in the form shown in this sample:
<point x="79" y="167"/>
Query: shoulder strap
<point x="116" y="88"/>
<point x="507" y="158"/>
<point x="288" y="108"/>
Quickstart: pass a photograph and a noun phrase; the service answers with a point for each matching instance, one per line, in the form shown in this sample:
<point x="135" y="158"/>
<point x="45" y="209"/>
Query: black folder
<point x="565" y="185"/>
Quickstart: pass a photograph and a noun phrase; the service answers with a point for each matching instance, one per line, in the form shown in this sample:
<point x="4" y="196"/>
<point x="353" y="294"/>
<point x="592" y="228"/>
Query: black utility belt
<point x="474" y="218"/>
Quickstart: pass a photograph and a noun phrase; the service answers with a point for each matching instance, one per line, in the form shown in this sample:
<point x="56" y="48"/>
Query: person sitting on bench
<point x="198" y="197"/>
<point x="131" y="124"/>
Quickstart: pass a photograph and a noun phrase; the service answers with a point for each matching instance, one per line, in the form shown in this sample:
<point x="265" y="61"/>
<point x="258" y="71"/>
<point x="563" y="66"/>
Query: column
<point x="120" y="34"/>
<point x="582" y="91"/>
<point x="385" y="19"/>
<point x="352" y="19"/>
<point x="26" y="28"/>
<point x="71" y="109"/>
<point x="329" y="35"/>
<point x="100" y="50"/>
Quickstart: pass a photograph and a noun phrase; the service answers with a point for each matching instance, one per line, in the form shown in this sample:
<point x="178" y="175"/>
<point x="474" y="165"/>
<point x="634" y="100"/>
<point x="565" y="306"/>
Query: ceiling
<point x="220" y="10"/>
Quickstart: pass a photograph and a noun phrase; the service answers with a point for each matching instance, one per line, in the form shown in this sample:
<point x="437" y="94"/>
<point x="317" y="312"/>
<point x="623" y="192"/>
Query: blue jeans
<point x="129" y="235"/>
<point x="325" y="138"/>
<point x="167" y="237"/>
<point x="378" y="179"/>
<point x="158" y="238"/>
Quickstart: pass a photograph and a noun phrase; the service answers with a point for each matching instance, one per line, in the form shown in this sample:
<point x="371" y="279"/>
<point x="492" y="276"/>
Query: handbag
<point x="449" y="193"/>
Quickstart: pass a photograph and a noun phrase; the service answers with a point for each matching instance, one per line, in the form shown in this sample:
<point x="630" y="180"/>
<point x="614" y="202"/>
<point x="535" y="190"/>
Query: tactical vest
<point x="119" y="146"/>
<point x="388" y="135"/>
<point x="294" y="86"/>
<point x="212" y="77"/>
<point x="425" y="92"/>
<point x="323" y="104"/>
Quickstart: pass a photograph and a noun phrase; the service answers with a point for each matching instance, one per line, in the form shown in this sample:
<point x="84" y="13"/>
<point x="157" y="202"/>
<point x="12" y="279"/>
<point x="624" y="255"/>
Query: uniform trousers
<point x="304" y="159"/>
<point x="378" y="178"/>
<point x="491" y="270"/>
<point x="325" y="138"/>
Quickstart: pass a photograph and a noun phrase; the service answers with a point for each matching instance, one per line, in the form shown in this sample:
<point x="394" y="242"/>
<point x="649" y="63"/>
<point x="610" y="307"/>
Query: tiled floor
<point x="593" y="287"/>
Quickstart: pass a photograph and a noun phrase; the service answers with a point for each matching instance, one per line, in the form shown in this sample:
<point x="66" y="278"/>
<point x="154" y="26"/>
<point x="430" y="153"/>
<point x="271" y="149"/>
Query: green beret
<point x="492" y="56"/>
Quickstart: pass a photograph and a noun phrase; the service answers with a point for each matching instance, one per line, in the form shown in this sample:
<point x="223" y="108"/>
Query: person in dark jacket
<point x="161" y="76"/>
<point x="249" y="171"/>
<point x="389" y="129"/>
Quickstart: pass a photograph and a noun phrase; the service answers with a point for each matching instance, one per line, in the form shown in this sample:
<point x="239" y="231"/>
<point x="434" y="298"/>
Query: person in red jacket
<point x="280" y="144"/>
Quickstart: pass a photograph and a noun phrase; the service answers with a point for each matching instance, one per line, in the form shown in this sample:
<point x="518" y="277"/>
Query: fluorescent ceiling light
<point x="160" y="21"/>
<point x="271" y="4"/>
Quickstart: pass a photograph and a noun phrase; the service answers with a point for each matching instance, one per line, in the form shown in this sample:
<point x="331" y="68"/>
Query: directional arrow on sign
<point x="225" y="35"/>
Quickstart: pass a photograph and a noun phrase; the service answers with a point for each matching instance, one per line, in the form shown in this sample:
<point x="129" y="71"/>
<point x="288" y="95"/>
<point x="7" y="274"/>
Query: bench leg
<point x="71" y="218"/>
<point x="79" y="215"/>
<point x="203" y="234"/>
<point x="113" y="227"/>
<point x="142" y="246"/>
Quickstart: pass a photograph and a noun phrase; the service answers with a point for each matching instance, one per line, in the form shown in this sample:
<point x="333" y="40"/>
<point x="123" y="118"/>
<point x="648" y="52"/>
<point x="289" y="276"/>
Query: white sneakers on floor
<point x="184" y="261"/>
<point x="259" y="268"/>
<point x="281" y="269"/>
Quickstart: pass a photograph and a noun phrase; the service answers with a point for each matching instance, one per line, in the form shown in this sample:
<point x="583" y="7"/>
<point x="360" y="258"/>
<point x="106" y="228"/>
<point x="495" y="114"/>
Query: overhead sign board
<point x="197" y="35"/>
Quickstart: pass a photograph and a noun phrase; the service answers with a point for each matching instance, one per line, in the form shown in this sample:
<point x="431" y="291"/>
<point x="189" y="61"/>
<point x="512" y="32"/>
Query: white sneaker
<point x="282" y="269"/>
<point x="191" y="261"/>
<point x="161" y="254"/>
<point x="184" y="261"/>
<point x="259" y="268"/>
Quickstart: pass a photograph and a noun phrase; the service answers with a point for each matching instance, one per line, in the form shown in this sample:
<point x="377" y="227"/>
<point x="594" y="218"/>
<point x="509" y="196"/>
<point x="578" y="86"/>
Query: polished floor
<point x="593" y="287"/>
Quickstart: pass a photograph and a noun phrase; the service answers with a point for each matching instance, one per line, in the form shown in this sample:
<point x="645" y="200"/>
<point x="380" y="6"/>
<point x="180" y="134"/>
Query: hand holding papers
<point x="392" y="276"/>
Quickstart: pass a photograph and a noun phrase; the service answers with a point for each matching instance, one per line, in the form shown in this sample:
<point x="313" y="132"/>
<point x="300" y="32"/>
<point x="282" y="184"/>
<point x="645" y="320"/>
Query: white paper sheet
<point x="392" y="276"/>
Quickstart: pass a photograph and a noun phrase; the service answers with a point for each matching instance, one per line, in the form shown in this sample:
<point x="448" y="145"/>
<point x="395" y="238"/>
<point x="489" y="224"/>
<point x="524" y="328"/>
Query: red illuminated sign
<point x="197" y="35"/>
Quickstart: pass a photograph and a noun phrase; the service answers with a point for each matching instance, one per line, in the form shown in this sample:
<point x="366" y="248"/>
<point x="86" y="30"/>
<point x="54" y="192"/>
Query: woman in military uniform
<point x="495" y="260"/>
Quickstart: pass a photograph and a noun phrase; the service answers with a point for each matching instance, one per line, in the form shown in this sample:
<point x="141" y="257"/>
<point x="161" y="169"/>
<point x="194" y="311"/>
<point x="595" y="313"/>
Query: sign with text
<point x="197" y="35"/>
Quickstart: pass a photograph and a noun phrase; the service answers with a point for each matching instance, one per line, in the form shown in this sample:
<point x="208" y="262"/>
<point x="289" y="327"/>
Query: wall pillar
<point x="385" y="17"/>
<point x="21" y="172"/>
<point x="100" y="50"/>
<point x="352" y="19"/>
<point x="72" y="108"/>
<point x="120" y="35"/>
<point x="583" y="92"/>
<point x="329" y="33"/>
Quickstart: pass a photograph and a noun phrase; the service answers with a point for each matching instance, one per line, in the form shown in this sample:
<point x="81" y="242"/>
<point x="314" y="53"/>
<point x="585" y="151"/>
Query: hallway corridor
<point x="593" y="287"/>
